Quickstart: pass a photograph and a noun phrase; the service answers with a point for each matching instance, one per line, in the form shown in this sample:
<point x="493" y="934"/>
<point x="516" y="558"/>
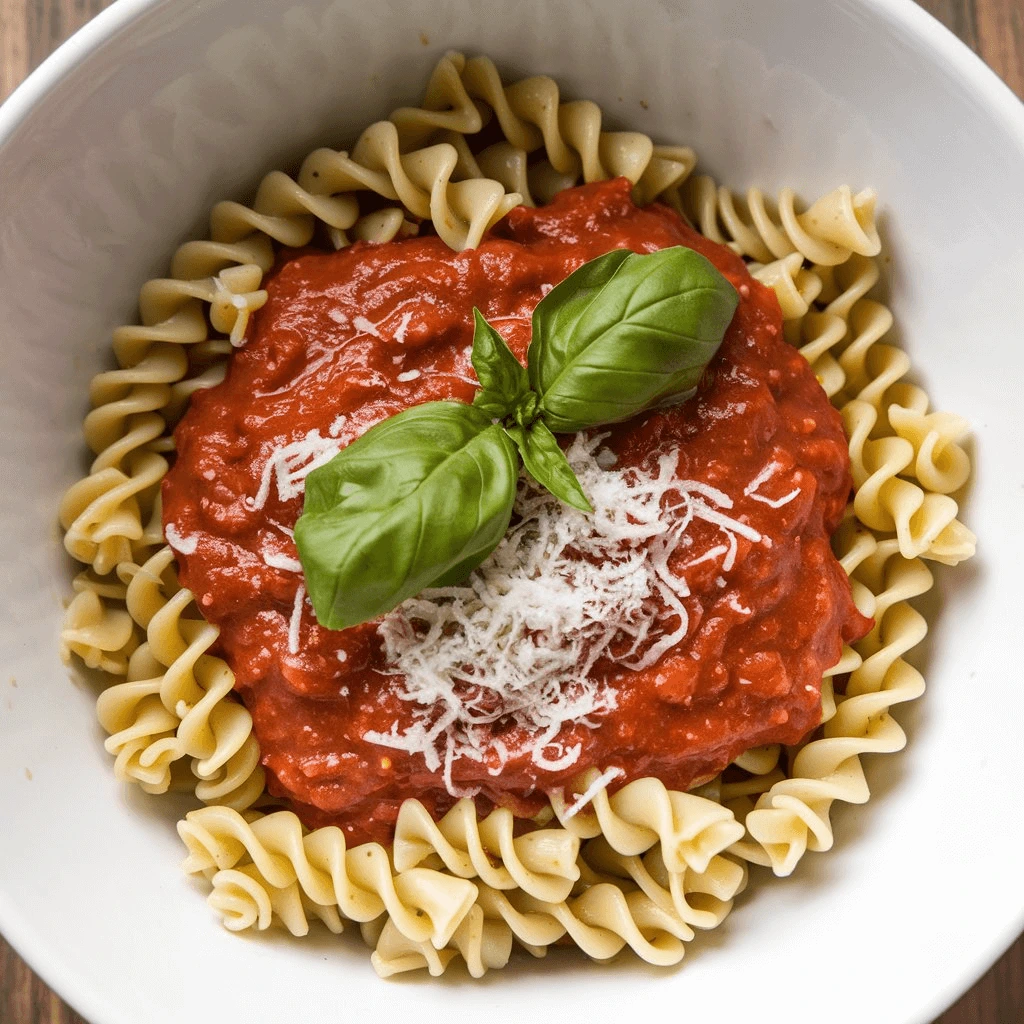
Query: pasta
<point x="601" y="921"/>
<point x="172" y="703"/>
<point x="542" y="863"/>
<point x="643" y="867"/>
<point x="483" y="944"/>
<point x="425" y="904"/>
<point x="689" y="830"/>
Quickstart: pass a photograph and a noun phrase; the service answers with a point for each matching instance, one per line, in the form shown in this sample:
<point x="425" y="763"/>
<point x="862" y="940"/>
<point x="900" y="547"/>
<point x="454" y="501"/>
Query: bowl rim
<point x="904" y="17"/>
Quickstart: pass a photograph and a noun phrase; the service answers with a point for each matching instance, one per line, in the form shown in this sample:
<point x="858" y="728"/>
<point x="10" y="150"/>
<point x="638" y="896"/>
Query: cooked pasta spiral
<point x="425" y="905"/>
<point x="700" y="899"/>
<point x="532" y="116"/>
<point x="832" y="229"/>
<point x="884" y="500"/>
<point x="601" y="921"/>
<point x="690" y="829"/>
<point x="939" y="462"/>
<point x="103" y="514"/>
<point x="244" y="899"/>
<point x="542" y="863"/>
<point x="483" y="944"/>
<point x="174" y="702"/>
<point x="102" y="637"/>
<point x="795" y="286"/>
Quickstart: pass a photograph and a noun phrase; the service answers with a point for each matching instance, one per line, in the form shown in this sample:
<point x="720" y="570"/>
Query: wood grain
<point x="31" y="29"/>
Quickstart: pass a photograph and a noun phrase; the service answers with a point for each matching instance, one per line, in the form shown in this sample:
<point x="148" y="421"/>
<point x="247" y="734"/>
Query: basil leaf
<point x="423" y="494"/>
<point x="547" y="464"/>
<point x="626" y="331"/>
<point x="558" y="313"/>
<point x="503" y="379"/>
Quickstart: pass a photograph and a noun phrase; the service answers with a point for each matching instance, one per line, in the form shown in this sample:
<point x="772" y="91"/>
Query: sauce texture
<point x="349" y="338"/>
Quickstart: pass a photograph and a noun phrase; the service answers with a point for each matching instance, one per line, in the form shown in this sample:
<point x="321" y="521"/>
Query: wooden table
<point x="31" y="29"/>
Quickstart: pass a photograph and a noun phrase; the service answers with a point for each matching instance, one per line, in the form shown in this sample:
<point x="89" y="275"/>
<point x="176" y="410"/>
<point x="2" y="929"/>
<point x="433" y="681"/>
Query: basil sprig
<point x="421" y="499"/>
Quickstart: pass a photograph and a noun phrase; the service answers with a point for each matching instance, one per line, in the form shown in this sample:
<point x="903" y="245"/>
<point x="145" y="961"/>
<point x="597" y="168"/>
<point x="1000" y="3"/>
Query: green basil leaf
<point x="503" y="379"/>
<point x="421" y="496"/>
<point x="547" y="464"/>
<point x="557" y="314"/>
<point x="458" y="574"/>
<point x="626" y="331"/>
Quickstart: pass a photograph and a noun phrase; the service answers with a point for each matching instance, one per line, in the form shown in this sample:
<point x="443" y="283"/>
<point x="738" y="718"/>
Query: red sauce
<point x="372" y="329"/>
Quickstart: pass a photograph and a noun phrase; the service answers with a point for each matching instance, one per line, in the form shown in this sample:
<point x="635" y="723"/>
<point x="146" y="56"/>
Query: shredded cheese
<point x="587" y="796"/>
<point x="296" y="620"/>
<point x="182" y="544"/>
<point x="403" y="326"/>
<point x="500" y="666"/>
<point x="763" y="477"/>
<point x="289" y="465"/>
<point x="278" y="561"/>
<point x="364" y="326"/>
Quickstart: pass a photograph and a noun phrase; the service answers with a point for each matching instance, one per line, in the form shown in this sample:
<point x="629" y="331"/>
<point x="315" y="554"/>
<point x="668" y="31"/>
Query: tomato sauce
<point x="349" y="338"/>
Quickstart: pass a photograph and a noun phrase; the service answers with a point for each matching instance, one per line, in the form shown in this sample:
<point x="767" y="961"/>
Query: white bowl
<point x="116" y="148"/>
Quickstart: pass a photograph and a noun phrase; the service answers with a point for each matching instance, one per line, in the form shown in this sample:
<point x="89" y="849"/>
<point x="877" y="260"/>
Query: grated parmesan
<point x="289" y="465"/>
<point x="518" y="643"/>
<point x="403" y="326"/>
<point x="296" y="620"/>
<point x="364" y="326"/>
<point x="763" y="477"/>
<point x="600" y="783"/>
<point x="278" y="561"/>
<point x="182" y="544"/>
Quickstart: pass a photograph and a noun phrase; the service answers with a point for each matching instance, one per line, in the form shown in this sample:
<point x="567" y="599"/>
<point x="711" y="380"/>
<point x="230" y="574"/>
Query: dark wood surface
<point x="31" y="29"/>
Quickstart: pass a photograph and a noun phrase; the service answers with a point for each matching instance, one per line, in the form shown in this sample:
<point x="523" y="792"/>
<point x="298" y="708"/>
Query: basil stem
<point x="624" y="332"/>
<point x="420" y="499"/>
<point x="547" y="464"/>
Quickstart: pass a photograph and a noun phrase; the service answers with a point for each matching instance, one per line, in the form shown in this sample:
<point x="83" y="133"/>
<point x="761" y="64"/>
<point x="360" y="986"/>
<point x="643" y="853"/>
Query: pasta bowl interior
<point x="114" y="153"/>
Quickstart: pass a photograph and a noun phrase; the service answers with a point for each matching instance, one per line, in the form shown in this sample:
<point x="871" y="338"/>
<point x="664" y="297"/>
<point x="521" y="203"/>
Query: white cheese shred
<point x="289" y="465"/>
<point x="284" y="562"/>
<point x="601" y="782"/>
<point x="182" y="544"/>
<point x="498" y="667"/>
<point x="296" y="620"/>
<point x="763" y="477"/>
<point x="403" y="326"/>
<point x="776" y="502"/>
<point x="364" y="326"/>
